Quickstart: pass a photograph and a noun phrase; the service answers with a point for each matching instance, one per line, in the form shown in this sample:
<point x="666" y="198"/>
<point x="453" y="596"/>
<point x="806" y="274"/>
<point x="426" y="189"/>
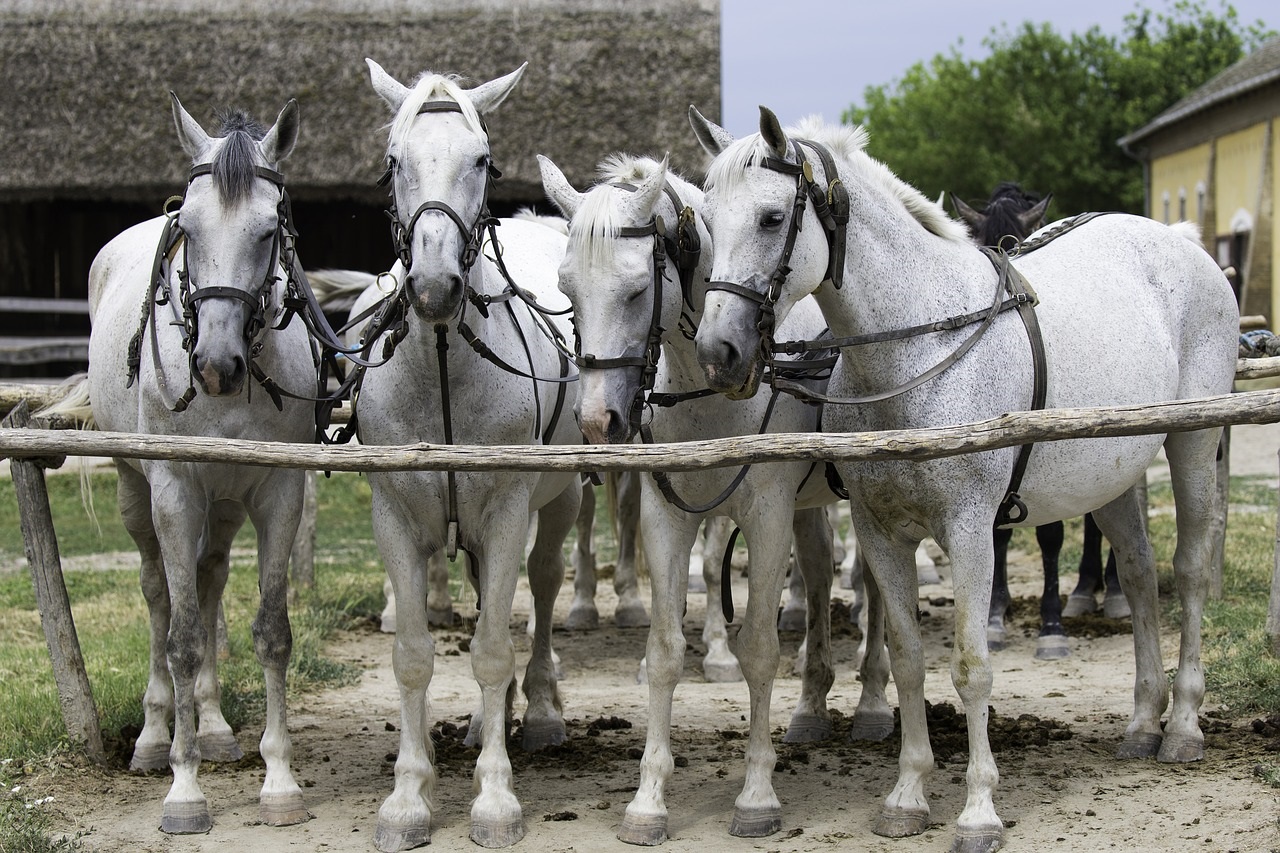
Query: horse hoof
<point x="540" y="734"/>
<point x="1079" y="605"/>
<point x="647" y="831"/>
<point x="631" y="617"/>
<point x="1053" y="647"/>
<point x="721" y="673"/>
<point x="283" y="809"/>
<point x="900" y="824"/>
<point x="185" y="818"/>
<point x="792" y="620"/>
<point x="390" y="839"/>
<point x="978" y="840"/>
<point x="501" y="833"/>
<point x="435" y="619"/>
<point x="807" y="728"/>
<point x="755" y="823"/>
<point x="582" y="618"/>
<point x="1180" y="749"/>
<point x="151" y="757"/>
<point x="1141" y="745"/>
<point x="219" y="747"/>
<point x="873" y="727"/>
<point x="1116" y="607"/>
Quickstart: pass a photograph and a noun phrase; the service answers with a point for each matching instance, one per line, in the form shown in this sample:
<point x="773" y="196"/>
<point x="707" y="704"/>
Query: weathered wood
<point x="19" y="350"/>
<point x="75" y="696"/>
<point x="1257" y="368"/>
<point x="1250" y="322"/>
<point x="1004" y="431"/>
<point x="33" y="305"/>
<point x="302" y="561"/>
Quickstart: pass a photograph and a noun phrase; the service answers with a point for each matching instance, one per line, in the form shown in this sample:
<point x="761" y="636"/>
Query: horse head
<point x="764" y="257"/>
<point x="614" y="273"/>
<point x="440" y="169"/>
<point x="1011" y="212"/>
<point x="230" y="220"/>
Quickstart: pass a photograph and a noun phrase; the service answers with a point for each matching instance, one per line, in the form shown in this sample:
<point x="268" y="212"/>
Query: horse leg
<point x="1193" y="475"/>
<point x="873" y="717"/>
<point x="387" y="621"/>
<point x="178" y="523"/>
<point x="811" y="720"/>
<point x="439" y="603"/>
<point x="276" y="520"/>
<point x="1000" y="599"/>
<point x="850" y="566"/>
<point x="667" y="535"/>
<point x="720" y="664"/>
<point x="1052" y="643"/>
<point x="757" y="811"/>
<point x="151" y="752"/>
<point x="1114" y="603"/>
<point x="544" y="717"/>
<point x="215" y="738"/>
<point x="892" y="565"/>
<point x="978" y="828"/>
<point x="583" y="615"/>
<point x="1121" y="522"/>
<point x="837" y="542"/>
<point x="926" y="568"/>
<point x="404" y="819"/>
<point x="1083" y="599"/>
<point x="793" y="615"/>
<point x="630" y="612"/>
<point x="496" y="817"/>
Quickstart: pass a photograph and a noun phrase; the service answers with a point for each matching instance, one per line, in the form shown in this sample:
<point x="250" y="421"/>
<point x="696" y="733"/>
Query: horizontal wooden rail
<point x="1004" y="431"/>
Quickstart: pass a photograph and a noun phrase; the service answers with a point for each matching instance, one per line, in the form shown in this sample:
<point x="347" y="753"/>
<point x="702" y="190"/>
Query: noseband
<point x="472" y="235"/>
<point x="684" y="250"/>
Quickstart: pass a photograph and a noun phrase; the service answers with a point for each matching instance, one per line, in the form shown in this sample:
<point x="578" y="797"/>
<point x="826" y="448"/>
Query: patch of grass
<point x="25" y="823"/>
<point x="112" y="623"/>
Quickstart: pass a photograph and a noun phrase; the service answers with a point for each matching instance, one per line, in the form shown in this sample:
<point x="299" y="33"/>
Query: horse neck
<point x="899" y="274"/>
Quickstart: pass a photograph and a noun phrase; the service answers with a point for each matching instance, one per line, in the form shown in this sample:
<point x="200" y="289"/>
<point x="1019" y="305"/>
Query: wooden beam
<point x="1004" y="431"/>
<point x="75" y="696"/>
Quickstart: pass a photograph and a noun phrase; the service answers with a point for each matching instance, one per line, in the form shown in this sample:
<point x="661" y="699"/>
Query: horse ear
<point x="646" y="196"/>
<point x="711" y="136"/>
<point x="192" y="136"/>
<point x="972" y="218"/>
<point x="771" y="132"/>
<point x="283" y="135"/>
<point x="1032" y="218"/>
<point x="558" y="188"/>
<point x="488" y="96"/>
<point x="387" y="87"/>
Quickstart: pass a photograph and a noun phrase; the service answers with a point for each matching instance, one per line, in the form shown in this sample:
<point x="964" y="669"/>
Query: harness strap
<point x="451" y="506"/>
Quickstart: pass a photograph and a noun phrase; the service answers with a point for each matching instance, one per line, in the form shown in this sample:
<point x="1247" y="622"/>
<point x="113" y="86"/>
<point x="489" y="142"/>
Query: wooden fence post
<point x="302" y="561"/>
<point x="75" y="696"/>
<point x="1273" y="607"/>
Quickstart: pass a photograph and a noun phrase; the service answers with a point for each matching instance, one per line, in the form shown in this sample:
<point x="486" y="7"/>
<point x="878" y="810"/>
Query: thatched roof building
<point x="84" y="109"/>
<point x="90" y="148"/>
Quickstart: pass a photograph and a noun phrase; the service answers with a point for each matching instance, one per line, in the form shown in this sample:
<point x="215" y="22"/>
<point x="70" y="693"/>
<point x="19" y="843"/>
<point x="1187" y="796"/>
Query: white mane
<point x="847" y="144"/>
<point x="594" y="229"/>
<point x="432" y="87"/>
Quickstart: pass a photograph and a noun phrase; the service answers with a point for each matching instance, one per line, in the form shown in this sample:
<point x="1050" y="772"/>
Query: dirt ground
<point x="1054" y="728"/>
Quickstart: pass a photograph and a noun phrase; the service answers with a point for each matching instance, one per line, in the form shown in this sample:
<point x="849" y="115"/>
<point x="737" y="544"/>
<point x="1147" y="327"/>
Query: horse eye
<point x="772" y="219"/>
<point x="482" y="161"/>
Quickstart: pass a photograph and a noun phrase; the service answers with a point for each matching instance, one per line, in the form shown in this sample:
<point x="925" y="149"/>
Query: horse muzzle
<point x="220" y="377"/>
<point x="729" y="369"/>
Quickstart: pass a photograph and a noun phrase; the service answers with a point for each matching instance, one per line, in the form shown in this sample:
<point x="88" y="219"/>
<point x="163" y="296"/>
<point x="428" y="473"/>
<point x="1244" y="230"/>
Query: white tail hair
<point x="555" y="223"/>
<point x="1189" y="230"/>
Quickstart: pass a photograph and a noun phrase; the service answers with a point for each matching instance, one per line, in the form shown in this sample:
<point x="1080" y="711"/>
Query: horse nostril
<point x="455" y="288"/>
<point x="237" y="370"/>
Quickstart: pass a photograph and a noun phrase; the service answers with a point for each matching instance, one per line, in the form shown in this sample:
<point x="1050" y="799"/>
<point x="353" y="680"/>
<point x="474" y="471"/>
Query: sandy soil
<point x="1055" y="726"/>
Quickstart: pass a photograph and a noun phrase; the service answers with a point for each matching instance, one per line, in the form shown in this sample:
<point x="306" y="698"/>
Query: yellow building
<point x="1212" y="158"/>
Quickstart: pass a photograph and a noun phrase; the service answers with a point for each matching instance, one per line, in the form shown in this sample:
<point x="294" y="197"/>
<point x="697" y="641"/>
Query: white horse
<point x="209" y="299"/>
<point x="436" y="387"/>
<point x="634" y="273"/>
<point x="906" y="265"/>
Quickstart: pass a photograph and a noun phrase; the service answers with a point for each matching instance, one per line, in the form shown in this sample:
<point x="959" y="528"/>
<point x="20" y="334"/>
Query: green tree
<point x="1046" y="110"/>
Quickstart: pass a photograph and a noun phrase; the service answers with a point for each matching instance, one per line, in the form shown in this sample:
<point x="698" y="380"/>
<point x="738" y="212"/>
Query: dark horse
<point x="1009" y="217"/>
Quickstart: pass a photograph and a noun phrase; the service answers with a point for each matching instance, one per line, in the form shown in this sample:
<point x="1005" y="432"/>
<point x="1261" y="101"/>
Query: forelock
<point x="432" y="87"/>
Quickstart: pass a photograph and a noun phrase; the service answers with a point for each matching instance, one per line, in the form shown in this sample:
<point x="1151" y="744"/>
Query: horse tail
<point x="337" y="290"/>
<point x="71" y="405"/>
<point x="72" y="409"/>
<point x="1189" y="231"/>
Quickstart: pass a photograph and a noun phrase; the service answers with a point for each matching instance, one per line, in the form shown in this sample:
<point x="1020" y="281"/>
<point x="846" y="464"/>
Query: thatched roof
<point x="1255" y="71"/>
<point x="84" y="108"/>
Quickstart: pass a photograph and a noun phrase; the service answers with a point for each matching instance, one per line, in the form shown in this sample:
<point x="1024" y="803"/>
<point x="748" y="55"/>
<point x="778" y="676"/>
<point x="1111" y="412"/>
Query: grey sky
<point x="800" y="57"/>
